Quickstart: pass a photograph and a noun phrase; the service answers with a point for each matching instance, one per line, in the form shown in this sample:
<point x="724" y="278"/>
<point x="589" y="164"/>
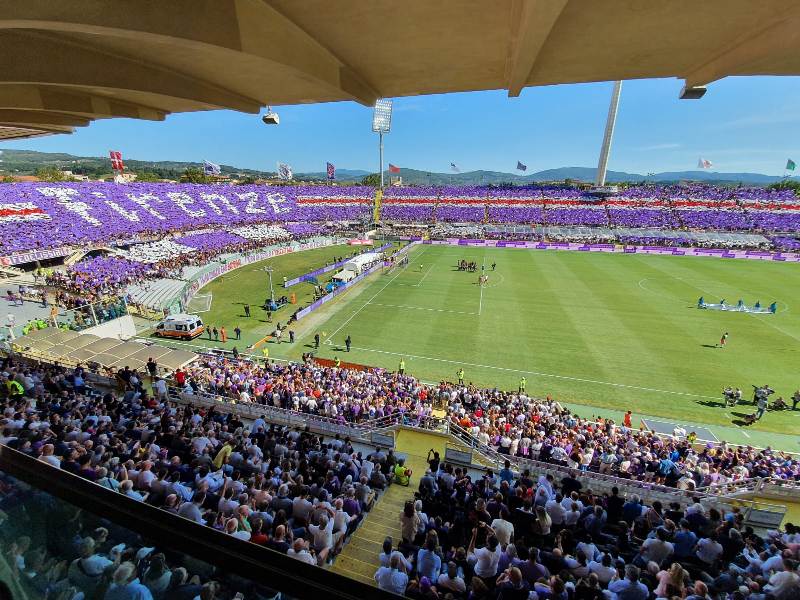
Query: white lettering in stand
<point x="144" y="200"/>
<point x="251" y="208"/>
<point x="128" y="214"/>
<point x="184" y="201"/>
<point x="275" y="200"/>
<point x="65" y="196"/>
<point x="212" y="199"/>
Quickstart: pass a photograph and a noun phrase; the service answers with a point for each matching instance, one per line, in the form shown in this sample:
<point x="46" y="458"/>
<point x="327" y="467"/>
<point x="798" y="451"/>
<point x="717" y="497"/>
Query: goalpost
<point x="200" y="303"/>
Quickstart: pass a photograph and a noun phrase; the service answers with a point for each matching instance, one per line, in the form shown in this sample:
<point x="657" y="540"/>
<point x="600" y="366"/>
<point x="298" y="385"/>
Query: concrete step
<point x="366" y="567"/>
<point x="368" y="579"/>
<point x="363" y="544"/>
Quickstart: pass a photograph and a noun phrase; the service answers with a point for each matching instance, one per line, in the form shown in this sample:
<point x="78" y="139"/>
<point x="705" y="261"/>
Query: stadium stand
<point x="503" y="532"/>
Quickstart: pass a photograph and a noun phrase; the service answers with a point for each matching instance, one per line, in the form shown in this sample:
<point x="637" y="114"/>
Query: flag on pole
<point x="284" y="171"/>
<point x="702" y="163"/>
<point x="116" y="160"/>
<point x="790" y="165"/>
<point x="454" y="168"/>
<point x="521" y="167"/>
<point x="393" y="168"/>
<point x="331" y="168"/>
<point x="210" y="168"/>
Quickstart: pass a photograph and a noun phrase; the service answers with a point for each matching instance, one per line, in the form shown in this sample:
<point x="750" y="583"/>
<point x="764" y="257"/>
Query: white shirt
<point x="51" y="460"/>
<point x="323" y="538"/>
<point x="604" y="574"/>
<point x="504" y="531"/>
<point x="303" y="556"/>
<point x="454" y="585"/>
<point x="391" y="580"/>
<point x="487" y="562"/>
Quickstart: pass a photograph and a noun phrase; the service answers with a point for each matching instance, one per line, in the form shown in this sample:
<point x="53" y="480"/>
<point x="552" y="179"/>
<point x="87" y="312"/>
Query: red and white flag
<point x="21" y="211"/>
<point x="702" y="163"/>
<point x="116" y="160"/>
<point x="393" y="168"/>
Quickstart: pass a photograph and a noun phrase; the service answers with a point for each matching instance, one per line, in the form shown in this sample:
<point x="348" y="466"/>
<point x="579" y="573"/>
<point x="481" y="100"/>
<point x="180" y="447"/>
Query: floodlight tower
<point x="268" y="270"/>
<point x="611" y="122"/>
<point x="382" y="123"/>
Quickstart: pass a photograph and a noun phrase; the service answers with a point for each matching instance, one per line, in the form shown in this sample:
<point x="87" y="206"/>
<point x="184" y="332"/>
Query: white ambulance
<point x="181" y="326"/>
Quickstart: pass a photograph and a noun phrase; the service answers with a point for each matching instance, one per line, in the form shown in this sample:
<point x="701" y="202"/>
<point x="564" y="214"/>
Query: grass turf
<point x="600" y="330"/>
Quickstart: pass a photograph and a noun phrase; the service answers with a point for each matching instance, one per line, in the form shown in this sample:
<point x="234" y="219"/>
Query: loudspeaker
<point x="692" y="93"/>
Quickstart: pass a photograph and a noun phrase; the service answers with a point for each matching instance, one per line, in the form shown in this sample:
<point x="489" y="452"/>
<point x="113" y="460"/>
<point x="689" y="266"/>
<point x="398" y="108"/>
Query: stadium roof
<point x="73" y="347"/>
<point x="67" y="63"/>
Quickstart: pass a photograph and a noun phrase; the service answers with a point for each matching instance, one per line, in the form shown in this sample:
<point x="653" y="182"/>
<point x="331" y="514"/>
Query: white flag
<point x="285" y="171"/>
<point x="702" y="163"/>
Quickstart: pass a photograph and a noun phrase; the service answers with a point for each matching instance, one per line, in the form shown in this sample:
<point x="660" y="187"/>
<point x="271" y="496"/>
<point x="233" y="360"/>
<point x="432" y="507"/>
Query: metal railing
<point x="753" y="485"/>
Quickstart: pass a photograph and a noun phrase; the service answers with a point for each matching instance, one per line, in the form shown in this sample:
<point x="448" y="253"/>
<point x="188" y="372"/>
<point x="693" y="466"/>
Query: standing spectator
<point x="487" y="558"/>
<point x="409" y="522"/>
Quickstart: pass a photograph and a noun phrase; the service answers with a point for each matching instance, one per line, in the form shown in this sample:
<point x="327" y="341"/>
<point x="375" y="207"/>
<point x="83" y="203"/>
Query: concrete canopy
<point x="68" y="63"/>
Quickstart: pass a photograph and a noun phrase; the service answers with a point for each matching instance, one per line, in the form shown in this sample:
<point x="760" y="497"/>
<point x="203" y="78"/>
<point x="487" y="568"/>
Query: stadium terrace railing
<point x="273" y="414"/>
<point x="362" y="431"/>
<point x="751" y="485"/>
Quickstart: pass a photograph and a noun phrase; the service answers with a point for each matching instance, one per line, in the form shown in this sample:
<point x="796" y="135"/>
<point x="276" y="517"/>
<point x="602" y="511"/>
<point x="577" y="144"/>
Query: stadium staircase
<point x="156" y="293"/>
<point x="359" y="558"/>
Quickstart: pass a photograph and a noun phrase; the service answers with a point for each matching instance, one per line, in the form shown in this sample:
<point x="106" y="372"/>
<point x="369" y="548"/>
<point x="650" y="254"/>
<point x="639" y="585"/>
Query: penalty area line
<point x="418" y="284"/>
<point x="441" y="310"/>
<point x="480" y="298"/>
<point x="536" y="373"/>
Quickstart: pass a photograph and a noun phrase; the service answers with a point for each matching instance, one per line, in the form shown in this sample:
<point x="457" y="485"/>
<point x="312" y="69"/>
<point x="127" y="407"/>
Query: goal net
<point x="200" y="303"/>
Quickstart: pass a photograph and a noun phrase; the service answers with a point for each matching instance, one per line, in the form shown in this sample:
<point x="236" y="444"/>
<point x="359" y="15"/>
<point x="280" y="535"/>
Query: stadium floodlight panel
<point x="382" y="117"/>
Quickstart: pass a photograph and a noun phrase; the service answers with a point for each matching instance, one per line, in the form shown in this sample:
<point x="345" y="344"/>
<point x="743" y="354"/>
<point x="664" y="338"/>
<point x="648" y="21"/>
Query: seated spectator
<point x="629" y="588"/>
<point x="392" y="578"/>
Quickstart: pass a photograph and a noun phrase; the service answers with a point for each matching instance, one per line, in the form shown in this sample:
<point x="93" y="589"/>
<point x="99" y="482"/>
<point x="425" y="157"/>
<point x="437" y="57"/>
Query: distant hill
<point x="587" y="174"/>
<point x="26" y="162"/>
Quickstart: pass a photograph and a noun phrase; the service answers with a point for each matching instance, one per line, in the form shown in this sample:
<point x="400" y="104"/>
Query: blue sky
<point x="742" y="124"/>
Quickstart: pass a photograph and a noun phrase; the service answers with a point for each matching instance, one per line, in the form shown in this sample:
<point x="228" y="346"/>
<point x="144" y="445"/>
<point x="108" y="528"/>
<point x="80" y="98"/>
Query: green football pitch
<point x="594" y="330"/>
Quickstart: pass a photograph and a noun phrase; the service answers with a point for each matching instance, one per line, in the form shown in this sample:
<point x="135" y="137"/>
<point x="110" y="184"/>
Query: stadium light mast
<point x="611" y="121"/>
<point x="382" y="123"/>
<point x="268" y="270"/>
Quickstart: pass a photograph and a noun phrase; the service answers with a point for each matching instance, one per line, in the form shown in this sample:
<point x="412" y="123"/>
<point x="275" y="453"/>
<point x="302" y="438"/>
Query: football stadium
<point x="241" y="385"/>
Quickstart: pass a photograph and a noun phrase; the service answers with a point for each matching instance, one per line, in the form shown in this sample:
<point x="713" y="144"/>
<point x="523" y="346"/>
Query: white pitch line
<point x="423" y="277"/>
<point x="536" y="373"/>
<point x="480" y="299"/>
<point x="442" y="310"/>
<point x="747" y="435"/>
<point x="400" y="272"/>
